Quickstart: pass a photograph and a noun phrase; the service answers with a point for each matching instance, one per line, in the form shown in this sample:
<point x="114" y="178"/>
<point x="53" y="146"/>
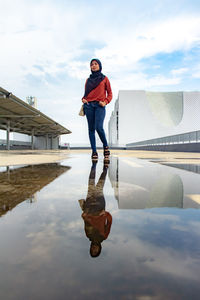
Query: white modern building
<point x="143" y="119"/>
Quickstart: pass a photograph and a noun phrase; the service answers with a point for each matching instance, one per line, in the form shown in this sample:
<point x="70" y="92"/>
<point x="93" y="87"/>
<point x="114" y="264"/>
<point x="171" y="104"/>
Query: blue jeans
<point x="95" y="114"/>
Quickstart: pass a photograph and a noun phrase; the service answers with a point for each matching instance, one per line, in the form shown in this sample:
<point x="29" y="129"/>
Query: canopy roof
<point x="23" y="183"/>
<point x="24" y="118"/>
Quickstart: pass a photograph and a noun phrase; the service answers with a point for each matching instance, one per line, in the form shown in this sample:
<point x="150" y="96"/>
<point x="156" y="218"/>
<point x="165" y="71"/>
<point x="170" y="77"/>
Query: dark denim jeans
<point x="95" y="114"/>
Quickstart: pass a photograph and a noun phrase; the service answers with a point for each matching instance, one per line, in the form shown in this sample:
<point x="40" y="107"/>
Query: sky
<point x="46" y="47"/>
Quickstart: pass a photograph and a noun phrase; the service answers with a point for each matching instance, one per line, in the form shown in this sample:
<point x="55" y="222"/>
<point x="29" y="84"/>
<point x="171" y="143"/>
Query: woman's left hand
<point x="102" y="103"/>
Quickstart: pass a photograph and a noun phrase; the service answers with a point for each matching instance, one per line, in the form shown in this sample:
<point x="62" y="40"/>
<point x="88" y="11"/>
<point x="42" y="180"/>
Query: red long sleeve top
<point x="102" y="223"/>
<point x="102" y="92"/>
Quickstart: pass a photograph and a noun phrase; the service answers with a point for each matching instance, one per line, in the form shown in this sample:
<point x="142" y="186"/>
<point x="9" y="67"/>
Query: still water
<point x="77" y="230"/>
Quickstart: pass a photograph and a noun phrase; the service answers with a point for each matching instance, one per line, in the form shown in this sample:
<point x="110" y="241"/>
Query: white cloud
<point x="180" y="33"/>
<point x="179" y="71"/>
<point x="196" y="75"/>
<point x="142" y="81"/>
<point x="196" y="71"/>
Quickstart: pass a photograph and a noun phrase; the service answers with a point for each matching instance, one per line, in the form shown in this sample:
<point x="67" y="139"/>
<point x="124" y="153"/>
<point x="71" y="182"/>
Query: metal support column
<point x="32" y="139"/>
<point x="47" y="141"/>
<point x="58" y="142"/>
<point x="8" y="172"/>
<point x="52" y="141"/>
<point x="8" y="135"/>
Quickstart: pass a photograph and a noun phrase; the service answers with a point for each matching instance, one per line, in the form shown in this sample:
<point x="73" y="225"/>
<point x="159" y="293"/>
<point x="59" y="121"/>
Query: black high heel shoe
<point x="106" y="154"/>
<point x="94" y="156"/>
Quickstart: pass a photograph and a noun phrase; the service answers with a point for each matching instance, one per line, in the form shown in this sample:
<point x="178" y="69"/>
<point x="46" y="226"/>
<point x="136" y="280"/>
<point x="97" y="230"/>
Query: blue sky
<point x="46" y="47"/>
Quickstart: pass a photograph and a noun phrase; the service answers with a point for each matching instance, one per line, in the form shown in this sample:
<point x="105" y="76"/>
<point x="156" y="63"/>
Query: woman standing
<point x="97" y="95"/>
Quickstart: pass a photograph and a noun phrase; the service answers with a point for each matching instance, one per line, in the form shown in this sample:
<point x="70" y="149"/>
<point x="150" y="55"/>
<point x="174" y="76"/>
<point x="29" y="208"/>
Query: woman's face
<point x="94" y="66"/>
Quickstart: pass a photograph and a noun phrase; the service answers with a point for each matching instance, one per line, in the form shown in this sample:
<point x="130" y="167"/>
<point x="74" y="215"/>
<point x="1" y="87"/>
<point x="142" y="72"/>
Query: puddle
<point x="139" y="184"/>
<point x="189" y="167"/>
<point x="22" y="183"/>
<point x="77" y="230"/>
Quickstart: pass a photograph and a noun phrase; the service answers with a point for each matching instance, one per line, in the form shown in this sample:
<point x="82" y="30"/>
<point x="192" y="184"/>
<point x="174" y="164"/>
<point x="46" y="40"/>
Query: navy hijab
<point x="94" y="79"/>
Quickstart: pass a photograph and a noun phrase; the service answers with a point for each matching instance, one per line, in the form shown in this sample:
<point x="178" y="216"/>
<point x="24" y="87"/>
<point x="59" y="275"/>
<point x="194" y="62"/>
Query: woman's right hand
<point x="84" y="100"/>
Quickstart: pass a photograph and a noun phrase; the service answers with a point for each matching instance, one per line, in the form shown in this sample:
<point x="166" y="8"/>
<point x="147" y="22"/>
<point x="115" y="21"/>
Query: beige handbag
<point x="81" y="112"/>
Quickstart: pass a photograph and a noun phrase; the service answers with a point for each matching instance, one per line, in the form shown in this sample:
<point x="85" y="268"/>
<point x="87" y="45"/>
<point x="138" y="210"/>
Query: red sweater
<point x="102" y="92"/>
<point x="101" y="223"/>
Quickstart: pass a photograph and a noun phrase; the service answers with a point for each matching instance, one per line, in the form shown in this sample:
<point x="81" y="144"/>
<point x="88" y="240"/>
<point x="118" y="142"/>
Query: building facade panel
<point x="141" y="115"/>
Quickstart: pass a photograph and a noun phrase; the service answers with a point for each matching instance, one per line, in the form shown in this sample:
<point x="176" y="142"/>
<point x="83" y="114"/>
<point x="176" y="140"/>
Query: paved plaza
<point x="19" y="157"/>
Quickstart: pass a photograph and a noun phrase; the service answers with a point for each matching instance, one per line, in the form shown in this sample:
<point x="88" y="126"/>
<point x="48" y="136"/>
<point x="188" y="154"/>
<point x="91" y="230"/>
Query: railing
<point x="183" y="138"/>
<point x="14" y="143"/>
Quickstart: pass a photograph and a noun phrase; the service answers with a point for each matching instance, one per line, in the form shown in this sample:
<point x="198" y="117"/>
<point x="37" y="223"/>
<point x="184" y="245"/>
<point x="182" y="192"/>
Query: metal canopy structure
<point x="18" y="116"/>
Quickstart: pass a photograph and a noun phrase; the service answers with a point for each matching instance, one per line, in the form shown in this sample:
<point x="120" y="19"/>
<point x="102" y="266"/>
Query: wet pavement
<point x="83" y="230"/>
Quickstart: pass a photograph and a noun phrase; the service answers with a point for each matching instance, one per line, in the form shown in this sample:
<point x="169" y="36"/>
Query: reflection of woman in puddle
<point x="97" y="220"/>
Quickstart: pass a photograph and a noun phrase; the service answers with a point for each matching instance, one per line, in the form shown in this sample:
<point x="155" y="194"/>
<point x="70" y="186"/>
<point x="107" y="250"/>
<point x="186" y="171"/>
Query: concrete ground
<point x="32" y="157"/>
